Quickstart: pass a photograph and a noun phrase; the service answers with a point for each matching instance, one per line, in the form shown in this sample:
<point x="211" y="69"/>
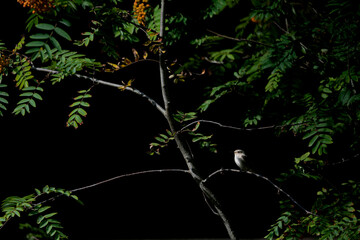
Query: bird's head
<point x="239" y="153"/>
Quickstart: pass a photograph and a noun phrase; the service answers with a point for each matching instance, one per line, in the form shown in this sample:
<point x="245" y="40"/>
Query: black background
<point x="38" y="149"/>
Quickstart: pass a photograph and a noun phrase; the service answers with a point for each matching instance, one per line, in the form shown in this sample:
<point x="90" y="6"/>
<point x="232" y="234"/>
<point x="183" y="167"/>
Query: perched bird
<point x="239" y="157"/>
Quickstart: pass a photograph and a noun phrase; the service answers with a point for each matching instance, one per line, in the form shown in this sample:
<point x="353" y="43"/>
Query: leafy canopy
<point x="288" y="63"/>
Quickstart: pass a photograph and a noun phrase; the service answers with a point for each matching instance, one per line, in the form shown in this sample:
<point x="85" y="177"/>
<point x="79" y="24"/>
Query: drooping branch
<point x="111" y="84"/>
<point x="53" y="198"/>
<point x="220" y="171"/>
<point x="115" y="178"/>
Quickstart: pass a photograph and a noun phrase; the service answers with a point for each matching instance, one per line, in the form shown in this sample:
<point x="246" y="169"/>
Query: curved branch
<point x="113" y="179"/>
<point x="128" y="175"/>
<point x="98" y="81"/>
<point x="240" y="128"/>
<point x="264" y="178"/>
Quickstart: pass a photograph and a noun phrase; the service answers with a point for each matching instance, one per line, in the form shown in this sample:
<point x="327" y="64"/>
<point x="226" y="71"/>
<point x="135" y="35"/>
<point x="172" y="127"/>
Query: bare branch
<point x="239" y="128"/>
<point x="98" y="81"/>
<point x="264" y="178"/>
<point x="128" y="175"/>
<point x="113" y="179"/>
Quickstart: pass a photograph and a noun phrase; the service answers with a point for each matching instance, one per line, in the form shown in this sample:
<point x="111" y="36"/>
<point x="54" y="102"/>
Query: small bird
<point x="239" y="157"/>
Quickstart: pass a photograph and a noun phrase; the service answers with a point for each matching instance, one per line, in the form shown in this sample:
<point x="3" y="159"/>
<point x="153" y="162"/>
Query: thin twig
<point x="282" y="29"/>
<point x="239" y="39"/>
<point x="264" y="178"/>
<point x="209" y="205"/>
<point x="239" y="128"/>
<point x="344" y="160"/>
<point x="98" y="81"/>
<point x="113" y="179"/>
<point x="128" y="175"/>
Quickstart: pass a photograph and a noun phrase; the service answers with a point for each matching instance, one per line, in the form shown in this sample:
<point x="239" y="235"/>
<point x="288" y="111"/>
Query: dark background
<point x="38" y="150"/>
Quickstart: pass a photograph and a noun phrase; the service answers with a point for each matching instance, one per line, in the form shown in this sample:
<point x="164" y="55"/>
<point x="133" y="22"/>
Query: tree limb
<point x="98" y="81"/>
<point x="180" y="139"/>
<point x="264" y="178"/>
<point x="113" y="179"/>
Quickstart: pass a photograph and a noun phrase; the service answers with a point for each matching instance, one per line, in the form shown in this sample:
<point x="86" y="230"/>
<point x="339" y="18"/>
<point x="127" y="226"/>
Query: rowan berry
<point x="38" y="6"/>
<point x="4" y="62"/>
<point x="139" y="9"/>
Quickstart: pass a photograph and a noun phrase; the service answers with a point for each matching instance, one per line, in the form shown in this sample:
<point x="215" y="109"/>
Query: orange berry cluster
<point x="4" y="62"/>
<point x="139" y="8"/>
<point x="38" y="6"/>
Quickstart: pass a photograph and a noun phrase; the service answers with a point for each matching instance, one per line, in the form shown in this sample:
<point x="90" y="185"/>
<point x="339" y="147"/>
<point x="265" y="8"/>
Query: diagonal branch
<point x="98" y="81"/>
<point x="264" y="178"/>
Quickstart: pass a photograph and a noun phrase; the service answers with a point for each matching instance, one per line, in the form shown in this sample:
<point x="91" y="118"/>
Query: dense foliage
<point x="288" y="63"/>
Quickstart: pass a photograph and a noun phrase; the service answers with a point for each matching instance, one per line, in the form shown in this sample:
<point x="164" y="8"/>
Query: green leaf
<point x="316" y="147"/>
<point x="82" y="112"/>
<point x="42" y="225"/>
<point x="75" y="197"/>
<point x="37" y="96"/>
<point x="35" y="44"/>
<point x="40" y="36"/>
<point x="45" y="26"/>
<point x="78" y="119"/>
<point x="62" y="33"/>
<point x="49" y="228"/>
<point x="160" y="139"/>
<point x="46" y="189"/>
<point x="43" y="209"/>
<point x="309" y="134"/>
<point x="50" y="215"/>
<point x="75" y="104"/>
<point x="84" y="104"/>
<point x="30" y="88"/>
<point x="32" y="102"/>
<point x="313" y="140"/>
<point x="164" y="136"/>
<point x="38" y="192"/>
<point x="26" y="94"/>
<point x="3" y="100"/>
<point x="40" y="219"/>
<point x="32" y="50"/>
<point x="48" y="50"/>
<point x="55" y="43"/>
<point x="169" y="132"/>
<point x="65" y="22"/>
<point x="17" y="213"/>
